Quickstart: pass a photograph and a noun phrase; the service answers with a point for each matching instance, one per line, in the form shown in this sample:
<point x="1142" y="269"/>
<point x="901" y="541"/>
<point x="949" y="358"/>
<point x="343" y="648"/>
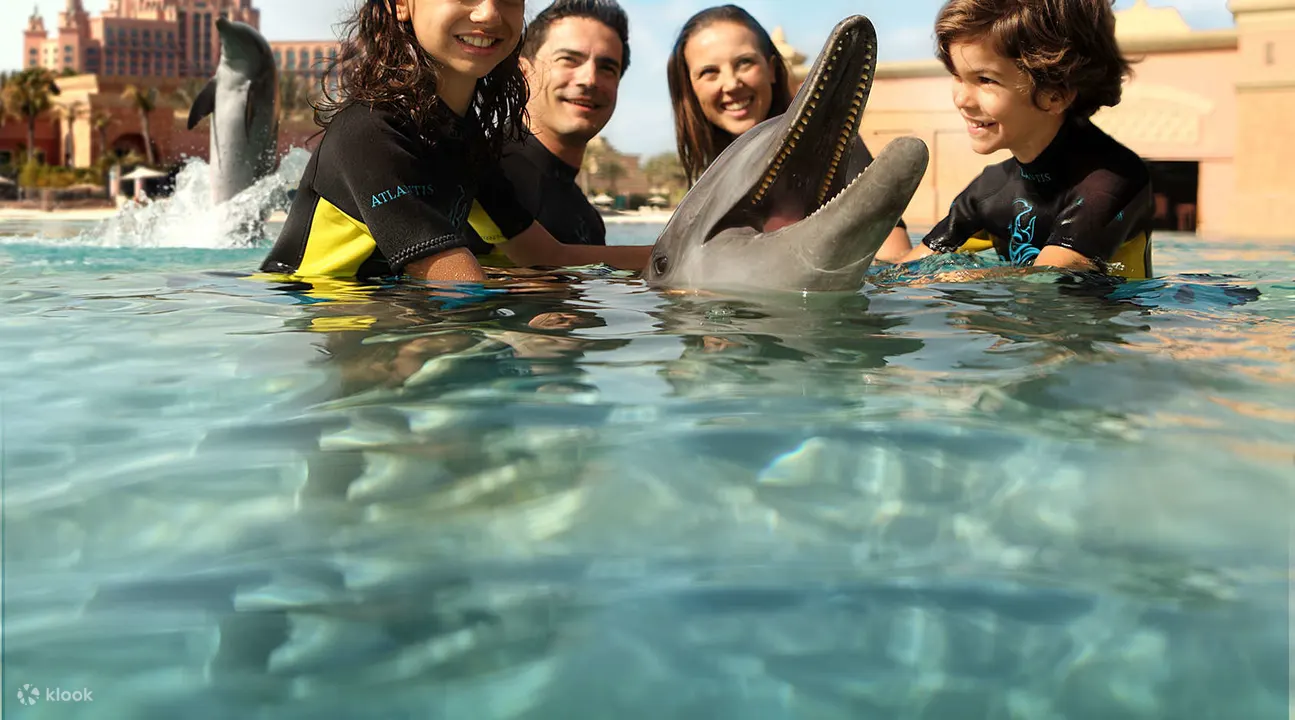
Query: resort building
<point x="135" y="38"/>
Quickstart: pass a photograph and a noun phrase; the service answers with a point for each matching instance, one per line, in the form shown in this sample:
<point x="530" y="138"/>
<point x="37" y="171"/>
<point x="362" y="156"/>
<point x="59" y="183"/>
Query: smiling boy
<point x="1027" y="77"/>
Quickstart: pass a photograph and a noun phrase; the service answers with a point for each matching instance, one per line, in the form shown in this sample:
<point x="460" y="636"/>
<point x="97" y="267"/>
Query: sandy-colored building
<point x="135" y="38"/>
<point x="92" y="118"/>
<point x="1210" y="111"/>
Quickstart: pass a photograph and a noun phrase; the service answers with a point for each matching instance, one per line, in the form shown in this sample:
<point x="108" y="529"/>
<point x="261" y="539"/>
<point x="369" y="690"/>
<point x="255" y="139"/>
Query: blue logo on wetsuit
<point x="1021" y="250"/>
<point x="400" y="191"/>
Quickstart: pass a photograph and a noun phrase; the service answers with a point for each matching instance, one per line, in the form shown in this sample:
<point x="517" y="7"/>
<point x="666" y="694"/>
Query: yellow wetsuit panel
<point x="338" y="244"/>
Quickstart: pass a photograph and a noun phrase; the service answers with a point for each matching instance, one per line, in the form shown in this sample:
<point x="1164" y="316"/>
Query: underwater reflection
<point x="776" y="344"/>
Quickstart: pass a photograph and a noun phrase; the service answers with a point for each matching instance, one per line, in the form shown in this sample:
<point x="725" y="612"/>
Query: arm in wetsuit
<point x="1102" y="213"/>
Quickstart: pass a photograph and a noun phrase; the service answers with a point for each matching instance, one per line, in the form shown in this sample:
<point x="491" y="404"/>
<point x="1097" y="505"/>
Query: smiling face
<point x="995" y="98"/>
<point x="731" y="77"/>
<point x="574" y="80"/>
<point x="468" y="37"/>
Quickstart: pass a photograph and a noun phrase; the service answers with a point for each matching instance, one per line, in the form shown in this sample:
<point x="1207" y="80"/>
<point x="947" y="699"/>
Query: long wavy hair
<point x="381" y="64"/>
<point x="699" y="141"/>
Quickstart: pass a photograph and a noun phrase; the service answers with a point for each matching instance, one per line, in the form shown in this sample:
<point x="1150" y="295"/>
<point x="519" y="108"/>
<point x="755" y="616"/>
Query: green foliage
<point x="38" y="175"/>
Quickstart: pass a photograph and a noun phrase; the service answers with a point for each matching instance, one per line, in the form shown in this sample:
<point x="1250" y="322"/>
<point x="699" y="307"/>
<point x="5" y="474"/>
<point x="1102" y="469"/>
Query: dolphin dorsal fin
<point x="203" y="105"/>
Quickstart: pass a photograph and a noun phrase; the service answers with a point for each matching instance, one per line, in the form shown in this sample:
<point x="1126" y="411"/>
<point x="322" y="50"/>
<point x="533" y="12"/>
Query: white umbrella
<point x="143" y="173"/>
<point x="6" y="181"/>
<point x="139" y="175"/>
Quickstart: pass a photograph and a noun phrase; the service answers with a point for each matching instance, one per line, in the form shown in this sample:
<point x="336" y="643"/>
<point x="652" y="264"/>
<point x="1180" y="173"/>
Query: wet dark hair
<point x="607" y="12"/>
<point x="698" y="141"/>
<point x="1063" y="45"/>
<point x="381" y="64"/>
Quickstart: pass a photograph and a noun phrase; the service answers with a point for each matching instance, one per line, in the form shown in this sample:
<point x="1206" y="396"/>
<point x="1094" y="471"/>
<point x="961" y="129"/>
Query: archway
<point x="127" y="143"/>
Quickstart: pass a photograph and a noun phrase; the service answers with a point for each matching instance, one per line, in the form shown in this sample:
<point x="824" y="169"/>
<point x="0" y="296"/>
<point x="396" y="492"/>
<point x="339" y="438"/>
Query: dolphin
<point x="242" y="99"/>
<point x="775" y="211"/>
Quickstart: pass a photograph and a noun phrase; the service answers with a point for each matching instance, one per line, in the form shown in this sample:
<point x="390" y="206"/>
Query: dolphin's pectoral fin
<point x="203" y="105"/>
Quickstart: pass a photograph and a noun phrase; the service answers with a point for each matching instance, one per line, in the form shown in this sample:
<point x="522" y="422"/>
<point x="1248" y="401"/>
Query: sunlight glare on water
<point x="571" y="496"/>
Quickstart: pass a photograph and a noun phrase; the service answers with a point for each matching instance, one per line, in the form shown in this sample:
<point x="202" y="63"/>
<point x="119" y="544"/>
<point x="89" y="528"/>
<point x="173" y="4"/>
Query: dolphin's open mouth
<point x="809" y="167"/>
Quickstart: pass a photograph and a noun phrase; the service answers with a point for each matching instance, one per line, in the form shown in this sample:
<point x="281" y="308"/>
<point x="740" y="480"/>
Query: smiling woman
<point x="726" y="76"/>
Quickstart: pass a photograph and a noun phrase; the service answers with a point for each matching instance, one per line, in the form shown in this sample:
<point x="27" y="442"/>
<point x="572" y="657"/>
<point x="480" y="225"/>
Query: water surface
<point x="571" y="496"/>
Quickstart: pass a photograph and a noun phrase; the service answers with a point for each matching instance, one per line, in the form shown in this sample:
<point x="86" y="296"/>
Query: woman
<point x="726" y="76"/>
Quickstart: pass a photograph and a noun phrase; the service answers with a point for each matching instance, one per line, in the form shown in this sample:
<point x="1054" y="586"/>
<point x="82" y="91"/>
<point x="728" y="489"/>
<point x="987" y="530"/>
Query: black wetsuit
<point x="546" y="187"/>
<point x="377" y="196"/>
<point x="1085" y="192"/>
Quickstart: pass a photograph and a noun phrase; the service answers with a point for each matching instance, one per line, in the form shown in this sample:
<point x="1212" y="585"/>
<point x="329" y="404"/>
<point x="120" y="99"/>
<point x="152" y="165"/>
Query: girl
<point x="726" y="76"/>
<point x="427" y="93"/>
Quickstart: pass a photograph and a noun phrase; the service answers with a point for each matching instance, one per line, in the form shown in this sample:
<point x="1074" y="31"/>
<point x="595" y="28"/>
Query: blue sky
<point x="642" y="123"/>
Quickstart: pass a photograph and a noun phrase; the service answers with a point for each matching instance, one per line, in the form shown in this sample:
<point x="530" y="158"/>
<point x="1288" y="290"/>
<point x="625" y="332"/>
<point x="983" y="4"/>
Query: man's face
<point x="574" y="80"/>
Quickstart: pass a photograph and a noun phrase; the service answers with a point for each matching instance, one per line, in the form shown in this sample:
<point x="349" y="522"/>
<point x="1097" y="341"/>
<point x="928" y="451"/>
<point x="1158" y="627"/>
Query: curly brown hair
<point x="1063" y="45"/>
<point x="699" y="142"/>
<point x="382" y="64"/>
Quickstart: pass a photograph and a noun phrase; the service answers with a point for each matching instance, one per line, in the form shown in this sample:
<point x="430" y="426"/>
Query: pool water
<point x="571" y="496"/>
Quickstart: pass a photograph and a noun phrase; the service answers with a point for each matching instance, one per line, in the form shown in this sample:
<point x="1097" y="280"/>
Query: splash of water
<point x="190" y="219"/>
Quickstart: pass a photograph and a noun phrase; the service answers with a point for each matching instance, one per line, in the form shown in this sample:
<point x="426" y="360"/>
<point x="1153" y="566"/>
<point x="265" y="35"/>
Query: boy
<point x="1027" y="76"/>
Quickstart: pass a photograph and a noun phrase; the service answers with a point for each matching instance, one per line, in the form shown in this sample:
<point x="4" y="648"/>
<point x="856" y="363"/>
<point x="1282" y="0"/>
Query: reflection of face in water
<point x="778" y="339"/>
<point x="386" y="335"/>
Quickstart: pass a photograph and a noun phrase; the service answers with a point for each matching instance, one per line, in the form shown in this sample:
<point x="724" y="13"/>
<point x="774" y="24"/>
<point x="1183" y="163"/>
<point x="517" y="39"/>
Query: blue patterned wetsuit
<point x="1085" y="192"/>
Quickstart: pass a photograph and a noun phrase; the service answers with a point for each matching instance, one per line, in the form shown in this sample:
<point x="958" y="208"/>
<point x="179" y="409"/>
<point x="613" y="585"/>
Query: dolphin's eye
<point x="660" y="263"/>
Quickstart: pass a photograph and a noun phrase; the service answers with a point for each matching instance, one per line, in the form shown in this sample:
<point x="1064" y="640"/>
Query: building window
<point x="1270" y="51"/>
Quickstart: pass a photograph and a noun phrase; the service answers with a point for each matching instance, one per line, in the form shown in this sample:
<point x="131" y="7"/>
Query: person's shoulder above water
<point x="1092" y="148"/>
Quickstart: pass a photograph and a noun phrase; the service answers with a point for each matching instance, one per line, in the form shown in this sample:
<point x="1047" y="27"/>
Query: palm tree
<point x="145" y="101"/>
<point x="27" y="96"/>
<point x="664" y="170"/>
<point x="613" y="171"/>
<point x="67" y="114"/>
<point x="101" y="120"/>
<point x="295" y="97"/>
<point x="188" y="92"/>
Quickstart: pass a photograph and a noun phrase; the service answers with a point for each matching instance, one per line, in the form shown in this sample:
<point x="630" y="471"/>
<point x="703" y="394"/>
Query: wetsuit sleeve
<point x="960" y="223"/>
<point x="860" y="159"/>
<point x="411" y="200"/>
<point x="1101" y="213"/>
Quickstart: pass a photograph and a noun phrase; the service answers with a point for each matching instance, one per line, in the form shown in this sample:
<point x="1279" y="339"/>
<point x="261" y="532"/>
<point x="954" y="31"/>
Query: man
<point x="574" y="55"/>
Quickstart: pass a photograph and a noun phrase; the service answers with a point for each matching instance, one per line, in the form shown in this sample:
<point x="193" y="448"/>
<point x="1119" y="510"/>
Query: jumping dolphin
<point x="773" y="212"/>
<point x="242" y="99"/>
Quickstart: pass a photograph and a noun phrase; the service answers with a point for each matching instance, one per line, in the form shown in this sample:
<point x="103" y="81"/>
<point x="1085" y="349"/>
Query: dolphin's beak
<point x="806" y="164"/>
<point x="868" y="207"/>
